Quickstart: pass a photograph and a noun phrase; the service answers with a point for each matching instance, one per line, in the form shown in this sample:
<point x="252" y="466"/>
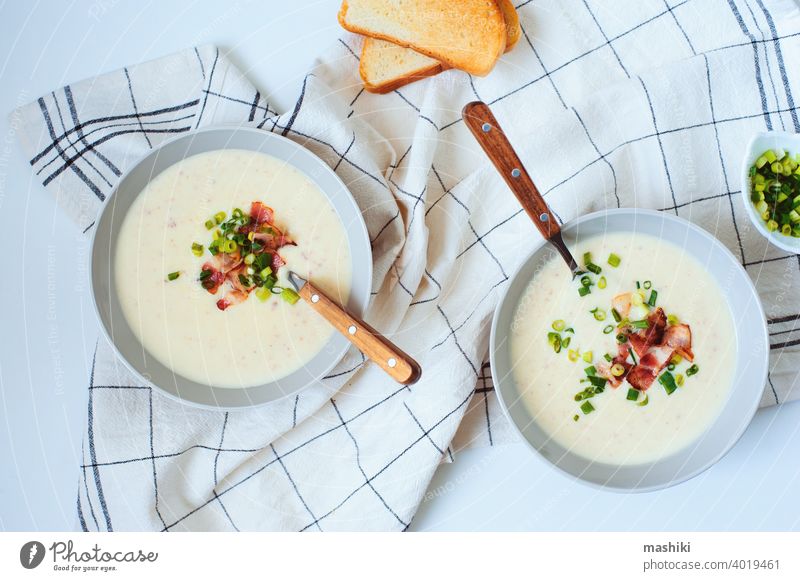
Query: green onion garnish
<point x="647" y="285"/>
<point x="643" y="324"/>
<point x="614" y="260"/>
<point x="587" y="257"/>
<point x="645" y="401"/>
<point x="679" y="379"/>
<point x="173" y="275"/>
<point x="584" y="290"/>
<point x="588" y="357"/>
<point x="668" y="381"/>
<point x="615" y="314"/>
<point x="622" y="338"/>
<point x="244" y="280"/>
<point x="593" y="268"/>
<point x="638" y="286"/>
<point x="672" y="320"/>
<point x="692" y="370"/>
<point x="219" y="217"/>
<point x="586" y="281"/>
<point x="263" y="293"/>
<point x="569" y="330"/>
<point x="653" y="297"/>
<point x="598" y="381"/>
<point x="290" y="296"/>
<point x="204" y="274"/>
<point x="599" y="314"/>
<point x="602" y="283"/>
<point x="575" y="418"/>
<point x="608" y="329"/>
<point x="558" y="325"/>
<point x="591" y="370"/>
<point x="249" y="259"/>
<point x="587" y="407"/>
<point x="197" y="249"/>
<point x="633" y="394"/>
<point x="209" y="224"/>
<point x="608" y="357"/>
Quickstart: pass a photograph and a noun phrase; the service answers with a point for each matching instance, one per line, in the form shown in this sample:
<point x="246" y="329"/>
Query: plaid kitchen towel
<point x="649" y="103"/>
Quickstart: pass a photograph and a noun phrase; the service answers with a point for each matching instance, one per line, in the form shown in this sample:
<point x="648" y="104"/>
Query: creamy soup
<point x="178" y="321"/>
<point x="613" y="428"/>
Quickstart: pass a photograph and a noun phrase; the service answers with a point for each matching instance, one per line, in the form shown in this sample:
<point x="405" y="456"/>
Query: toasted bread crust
<point x="481" y="67"/>
<point x="513" y="29"/>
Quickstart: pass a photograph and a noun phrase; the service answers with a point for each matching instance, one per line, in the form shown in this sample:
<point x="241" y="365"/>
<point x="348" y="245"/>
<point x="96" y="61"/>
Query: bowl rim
<point x="108" y="205"/>
<point x="787" y="243"/>
<point x="748" y="414"/>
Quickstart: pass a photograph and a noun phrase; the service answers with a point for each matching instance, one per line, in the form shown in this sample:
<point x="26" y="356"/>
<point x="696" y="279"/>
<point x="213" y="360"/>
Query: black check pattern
<point x="648" y="103"/>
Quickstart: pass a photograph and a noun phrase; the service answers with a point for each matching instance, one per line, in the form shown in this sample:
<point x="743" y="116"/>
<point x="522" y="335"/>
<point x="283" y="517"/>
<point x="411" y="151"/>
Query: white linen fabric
<point x="641" y="103"/>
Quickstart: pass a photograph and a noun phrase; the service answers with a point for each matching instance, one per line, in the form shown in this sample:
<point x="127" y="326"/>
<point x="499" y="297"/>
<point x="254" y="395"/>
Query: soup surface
<point x="178" y="321"/>
<point x="653" y="423"/>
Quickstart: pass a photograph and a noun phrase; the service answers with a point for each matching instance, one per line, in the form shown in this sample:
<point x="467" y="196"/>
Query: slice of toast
<point x="469" y="35"/>
<point x="386" y="66"/>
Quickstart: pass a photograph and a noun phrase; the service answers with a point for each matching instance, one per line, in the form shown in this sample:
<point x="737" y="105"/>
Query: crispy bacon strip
<point x="261" y="213"/>
<point x="650" y="365"/>
<point x="643" y="339"/>
<point x="214" y="280"/>
<point x="622" y="304"/>
<point x="231" y="298"/>
<point x="679" y="337"/>
<point x="227" y="262"/>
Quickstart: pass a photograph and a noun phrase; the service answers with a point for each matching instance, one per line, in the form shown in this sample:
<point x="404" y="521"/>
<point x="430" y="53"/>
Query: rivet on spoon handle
<point x="399" y="365"/>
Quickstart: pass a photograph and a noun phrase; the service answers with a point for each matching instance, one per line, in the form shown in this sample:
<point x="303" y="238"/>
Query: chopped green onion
<point x="642" y="324"/>
<point x="209" y="224"/>
<point x="608" y="357"/>
<point x="653" y="297"/>
<point x="633" y="394"/>
<point x="584" y="290"/>
<point x="615" y="314"/>
<point x="645" y="401"/>
<point x="263" y="293"/>
<point x="602" y="283"/>
<point x="638" y="286"/>
<point x="622" y="338"/>
<point x="671" y="367"/>
<point x="290" y="296"/>
<point x="197" y="249"/>
<point x="204" y="274"/>
<point x="569" y="330"/>
<point x="672" y="320"/>
<point x="593" y="268"/>
<point x="692" y="370"/>
<point x="668" y="381"/>
<point x="575" y="418"/>
<point x="559" y="324"/>
<point x="573" y="355"/>
<point x="647" y="284"/>
<point x="173" y="275"/>
<point x="249" y="259"/>
<point x="591" y="370"/>
<point x="608" y="329"/>
<point x="598" y="381"/>
<point x="679" y="379"/>
<point x="565" y="342"/>
<point x="586" y="281"/>
<point x="244" y="280"/>
<point x="614" y="260"/>
<point x="219" y="217"/>
<point x="587" y="407"/>
<point x="588" y="356"/>
<point x="599" y="314"/>
<point x="617" y="370"/>
<point x="587" y="257"/>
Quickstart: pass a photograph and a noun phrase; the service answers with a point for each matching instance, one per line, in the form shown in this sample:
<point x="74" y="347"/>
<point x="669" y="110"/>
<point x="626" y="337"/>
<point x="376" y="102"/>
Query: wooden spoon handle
<point x="375" y="346"/>
<point x="481" y="122"/>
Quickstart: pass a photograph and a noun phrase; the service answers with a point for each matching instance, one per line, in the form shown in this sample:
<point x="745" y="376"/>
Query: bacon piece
<point x="650" y="365"/>
<point x="231" y="298"/>
<point x="679" y="337"/>
<point x="622" y="304"/>
<point x="227" y="262"/>
<point x="277" y="262"/>
<point x="273" y="240"/>
<point x="644" y="339"/>
<point x="214" y="280"/>
<point x="261" y="213"/>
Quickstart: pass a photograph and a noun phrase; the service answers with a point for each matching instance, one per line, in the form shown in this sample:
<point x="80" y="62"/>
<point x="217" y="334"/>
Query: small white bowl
<point x="789" y="142"/>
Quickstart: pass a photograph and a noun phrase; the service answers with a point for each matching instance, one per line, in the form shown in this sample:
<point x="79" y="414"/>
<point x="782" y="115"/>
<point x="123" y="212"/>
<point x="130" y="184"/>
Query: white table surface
<point x="48" y="332"/>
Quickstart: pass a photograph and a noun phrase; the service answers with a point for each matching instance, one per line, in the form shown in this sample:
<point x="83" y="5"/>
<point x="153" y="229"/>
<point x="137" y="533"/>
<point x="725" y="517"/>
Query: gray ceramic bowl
<point x="750" y="375"/>
<point x="147" y="368"/>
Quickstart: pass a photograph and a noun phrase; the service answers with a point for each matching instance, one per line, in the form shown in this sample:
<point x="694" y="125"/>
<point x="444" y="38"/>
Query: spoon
<point x="399" y="365"/>
<point x="481" y="122"/>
